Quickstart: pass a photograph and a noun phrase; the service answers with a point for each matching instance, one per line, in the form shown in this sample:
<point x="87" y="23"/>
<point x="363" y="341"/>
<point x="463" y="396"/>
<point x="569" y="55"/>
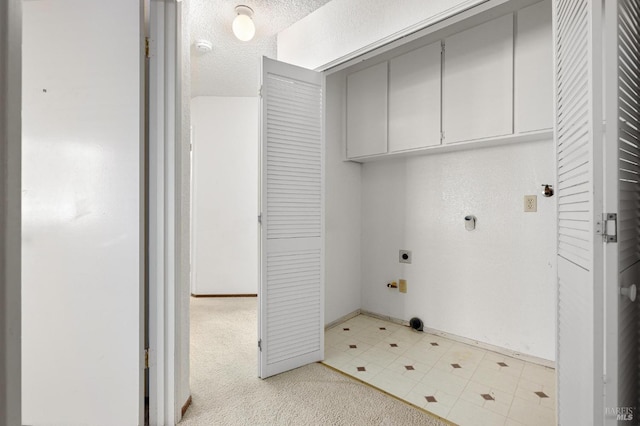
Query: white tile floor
<point x="458" y="382"/>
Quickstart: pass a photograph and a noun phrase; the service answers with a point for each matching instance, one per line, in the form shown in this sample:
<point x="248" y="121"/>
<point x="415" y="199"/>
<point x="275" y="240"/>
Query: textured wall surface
<point x="494" y="284"/>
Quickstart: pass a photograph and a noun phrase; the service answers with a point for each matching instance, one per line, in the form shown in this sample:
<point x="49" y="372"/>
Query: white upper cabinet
<point x="414" y="99"/>
<point x="478" y="82"/>
<point x="367" y="111"/>
<point x="533" y="86"/>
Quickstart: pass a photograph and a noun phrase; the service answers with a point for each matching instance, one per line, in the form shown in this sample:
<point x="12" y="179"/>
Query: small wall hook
<point x="548" y="190"/>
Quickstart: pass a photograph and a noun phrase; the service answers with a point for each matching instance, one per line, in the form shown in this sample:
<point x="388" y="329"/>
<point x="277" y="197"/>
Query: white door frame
<point x="610" y="156"/>
<point x="10" y="220"/>
<point x="165" y="214"/>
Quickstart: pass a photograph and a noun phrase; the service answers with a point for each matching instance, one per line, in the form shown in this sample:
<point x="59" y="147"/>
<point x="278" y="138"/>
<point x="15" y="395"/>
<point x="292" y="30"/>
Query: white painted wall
<point x="342" y="212"/>
<point x="10" y="164"/>
<point x="495" y="284"/>
<point x="225" y="195"/>
<point x="81" y="236"/>
<point x="345" y="28"/>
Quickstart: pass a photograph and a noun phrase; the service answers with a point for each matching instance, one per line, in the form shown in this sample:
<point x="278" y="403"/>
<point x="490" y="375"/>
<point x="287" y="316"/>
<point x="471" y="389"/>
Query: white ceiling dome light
<point x="243" y="26"/>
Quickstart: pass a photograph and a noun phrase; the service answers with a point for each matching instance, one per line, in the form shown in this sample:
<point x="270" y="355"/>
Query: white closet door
<point x="578" y="132"/>
<point x="291" y="298"/>
<point x="622" y="151"/>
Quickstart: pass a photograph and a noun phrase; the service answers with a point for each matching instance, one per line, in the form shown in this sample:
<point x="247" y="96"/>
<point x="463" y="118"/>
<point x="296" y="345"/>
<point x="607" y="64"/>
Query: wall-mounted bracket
<point x="608" y="227"/>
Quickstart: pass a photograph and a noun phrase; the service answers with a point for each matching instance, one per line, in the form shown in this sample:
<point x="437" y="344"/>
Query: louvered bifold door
<point x="291" y="299"/>
<point x="578" y="137"/>
<point x="622" y="76"/>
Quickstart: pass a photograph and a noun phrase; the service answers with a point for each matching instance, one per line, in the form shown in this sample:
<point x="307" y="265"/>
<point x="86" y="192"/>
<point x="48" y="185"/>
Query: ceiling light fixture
<point x="243" y="26"/>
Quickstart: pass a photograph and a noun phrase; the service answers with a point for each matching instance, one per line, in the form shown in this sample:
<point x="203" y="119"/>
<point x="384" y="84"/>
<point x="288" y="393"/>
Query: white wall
<point x="345" y="28"/>
<point x="225" y="195"/>
<point x="81" y="213"/>
<point x="10" y="164"/>
<point x="342" y="213"/>
<point x="495" y="284"/>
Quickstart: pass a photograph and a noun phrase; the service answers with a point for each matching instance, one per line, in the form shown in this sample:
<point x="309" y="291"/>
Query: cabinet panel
<point x="367" y="111"/>
<point x="533" y="85"/>
<point x="478" y="82"/>
<point x="414" y="99"/>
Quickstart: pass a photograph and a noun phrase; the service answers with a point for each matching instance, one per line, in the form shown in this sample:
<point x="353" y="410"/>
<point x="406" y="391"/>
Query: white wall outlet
<point x="405" y="256"/>
<point x="530" y="203"/>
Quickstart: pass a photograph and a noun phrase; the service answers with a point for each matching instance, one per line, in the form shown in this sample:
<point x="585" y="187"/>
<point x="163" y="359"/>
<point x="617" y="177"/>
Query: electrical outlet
<point x="530" y="203"/>
<point x="404" y="256"/>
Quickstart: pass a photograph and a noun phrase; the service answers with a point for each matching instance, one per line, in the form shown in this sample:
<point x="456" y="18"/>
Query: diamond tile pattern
<point x="460" y="383"/>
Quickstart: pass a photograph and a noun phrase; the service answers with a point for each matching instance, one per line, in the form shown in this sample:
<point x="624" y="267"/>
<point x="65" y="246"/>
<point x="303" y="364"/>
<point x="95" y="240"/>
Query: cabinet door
<point x="414" y="99"/>
<point x="533" y="86"/>
<point x="367" y="111"/>
<point x="478" y="82"/>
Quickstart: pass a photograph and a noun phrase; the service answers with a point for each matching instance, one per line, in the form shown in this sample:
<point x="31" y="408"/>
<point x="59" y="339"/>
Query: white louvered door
<point x="622" y="153"/>
<point x="578" y="134"/>
<point x="291" y="299"/>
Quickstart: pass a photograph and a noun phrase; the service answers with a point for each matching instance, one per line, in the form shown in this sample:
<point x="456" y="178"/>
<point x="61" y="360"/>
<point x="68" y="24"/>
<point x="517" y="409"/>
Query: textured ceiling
<point x="231" y="68"/>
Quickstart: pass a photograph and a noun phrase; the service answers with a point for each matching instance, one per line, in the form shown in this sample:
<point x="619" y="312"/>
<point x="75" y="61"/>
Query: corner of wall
<point x="342" y="212"/>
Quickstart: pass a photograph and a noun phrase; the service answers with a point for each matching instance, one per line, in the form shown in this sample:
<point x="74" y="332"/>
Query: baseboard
<point x="385" y="317"/>
<point x="186" y="406"/>
<point x="486" y="346"/>
<point x="224" y="295"/>
<point x="343" y="319"/>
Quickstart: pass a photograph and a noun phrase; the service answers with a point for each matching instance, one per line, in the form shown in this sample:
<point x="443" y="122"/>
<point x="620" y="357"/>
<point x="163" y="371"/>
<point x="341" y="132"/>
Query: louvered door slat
<point x="292" y="200"/>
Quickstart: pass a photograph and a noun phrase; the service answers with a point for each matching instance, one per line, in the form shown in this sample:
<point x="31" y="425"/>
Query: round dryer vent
<point x="416" y="324"/>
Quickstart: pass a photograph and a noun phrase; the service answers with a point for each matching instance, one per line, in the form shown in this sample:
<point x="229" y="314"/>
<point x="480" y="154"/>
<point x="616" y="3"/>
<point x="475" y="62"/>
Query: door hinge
<point x="260" y="218"/>
<point x="441" y="136"/>
<point x="146" y="358"/>
<point x="147" y="49"/>
<point x="260" y="92"/>
<point x="260" y="345"/>
<point x="608" y="227"/>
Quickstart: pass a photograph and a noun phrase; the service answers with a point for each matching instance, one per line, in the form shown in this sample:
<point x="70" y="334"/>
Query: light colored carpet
<point x="226" y="390"/>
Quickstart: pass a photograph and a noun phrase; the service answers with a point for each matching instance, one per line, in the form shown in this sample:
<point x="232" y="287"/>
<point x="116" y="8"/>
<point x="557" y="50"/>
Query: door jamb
<point x="165" y="216"/>
<point x="10" y="207"/>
